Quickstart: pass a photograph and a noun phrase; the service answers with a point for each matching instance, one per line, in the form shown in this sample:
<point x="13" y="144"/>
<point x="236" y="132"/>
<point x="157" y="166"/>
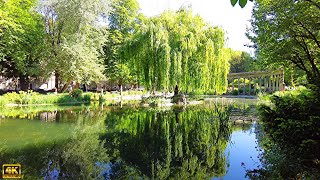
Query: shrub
<point x="19" y="98"/>
<point x="66" y="98"/>
<point x="77" y="94"/>
<point x="86" y="97"/>
<point x="235" y="92"/>
<point x="31" y="97"/>
<point x="95" y="97"/>
<point x="12" y="97"/>
<point x="241" y="82"/>
<point x="240" y="91"/>
<point x="24" y="97"/>
<point x="3" y="101"/>
<point x="108" y="96"/>
<point x="153" y="100"/>
<point x="210" y="92"/>
<point x="292" y="121"/>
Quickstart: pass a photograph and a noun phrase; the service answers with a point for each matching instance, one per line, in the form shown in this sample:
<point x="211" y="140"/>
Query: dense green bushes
<point x="240" y="91"/>
<point x="76" y="96"/>
<point x="291" y="121"/>
<point x="293" y="118"/>
<point x="3" y="101"/>
<point x="77" y="93"/>
<point x="154" y="100"/>
<point x="31" y="97"/>
<point x="202" y="92"/>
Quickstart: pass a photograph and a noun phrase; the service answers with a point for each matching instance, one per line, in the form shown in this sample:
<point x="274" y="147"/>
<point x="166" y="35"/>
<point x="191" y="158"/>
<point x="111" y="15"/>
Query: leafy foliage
<point x="292" y="122"/>
<point x="242" y="3"/>
<point x="167" y="51"/>
<point x="75" y="38"/>
<point x="3" y="101"/>
<point x="22" y="40"/>
<point x="241" y="62"/>
<point x="123" y="22"/>
<point x="77" y="93"/>
<point x="31" y="97"/>
<point x="286" y="33"/>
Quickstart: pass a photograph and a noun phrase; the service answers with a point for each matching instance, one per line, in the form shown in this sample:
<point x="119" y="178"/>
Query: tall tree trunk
<point x="24" y="83"/>
<point x="65" y="86"/>
<point x="56" y="81"/>
<point x="77" y="85"/>
<point x="176" y="90"/>
<point x="85" y="88"/>
<point x="120" y="90"/>
<point x="314" y="84"/>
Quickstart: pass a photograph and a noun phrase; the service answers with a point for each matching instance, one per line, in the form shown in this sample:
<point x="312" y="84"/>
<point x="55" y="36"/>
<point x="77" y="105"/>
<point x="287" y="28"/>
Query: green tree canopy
<point x="22" y="40"/>
<point x="76" y="38"/>
<point x="241" y="62"/>
<point x="287" y="33"/>
<point x="123" y="23"/>
<point x="177" y="48"/>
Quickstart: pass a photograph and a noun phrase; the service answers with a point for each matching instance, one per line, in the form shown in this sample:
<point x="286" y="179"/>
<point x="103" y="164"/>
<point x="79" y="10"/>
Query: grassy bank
<point x="28" y="98"/>
<point x="75" y="97"/>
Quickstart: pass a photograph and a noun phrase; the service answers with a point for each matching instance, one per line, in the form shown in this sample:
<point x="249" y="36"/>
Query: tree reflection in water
<point x="123" y="143"/>
<point x="60" y="148"/>
<point x="167" y="144"/>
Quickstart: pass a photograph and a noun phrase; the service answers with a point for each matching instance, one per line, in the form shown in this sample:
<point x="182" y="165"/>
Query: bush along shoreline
<point x="77" y="96"/>
<point x="291" y="122"/>
<point x="33" y="98"/>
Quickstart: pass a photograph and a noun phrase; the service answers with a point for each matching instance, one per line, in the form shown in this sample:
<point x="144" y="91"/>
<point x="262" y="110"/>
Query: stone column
<point x="254" y="86"/>
<point x="274" y="83"/>
<point x="249" y="86"/>
<point x="277" y="82"/>
<point x="238" y="86"/>
<point x="265" y="84"/>
<point x="270" y="85"/>
<point x="282" y="82"/>
<point x="232" y="84"/>
<point x="244" y="86"/>
<point x="260" y="84"/>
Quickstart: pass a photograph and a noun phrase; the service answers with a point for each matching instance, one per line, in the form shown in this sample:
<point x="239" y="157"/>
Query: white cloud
<point x="233" y="20"/>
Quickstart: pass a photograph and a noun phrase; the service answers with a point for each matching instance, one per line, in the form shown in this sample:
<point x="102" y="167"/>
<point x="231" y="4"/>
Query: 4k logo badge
<point x="11" y="171"/>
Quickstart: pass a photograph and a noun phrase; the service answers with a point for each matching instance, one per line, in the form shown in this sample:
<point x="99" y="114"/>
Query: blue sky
<point x="233" y="20"/>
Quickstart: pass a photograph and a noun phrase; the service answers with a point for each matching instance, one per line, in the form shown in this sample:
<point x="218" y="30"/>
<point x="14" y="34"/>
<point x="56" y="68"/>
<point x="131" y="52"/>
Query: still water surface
<point x="130" y="142"/>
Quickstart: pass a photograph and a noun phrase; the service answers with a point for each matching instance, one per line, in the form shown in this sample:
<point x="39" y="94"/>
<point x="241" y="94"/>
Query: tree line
<point x="93" y="40"/>
<point x="286" y="34"/>
<point x="41" y="37"/>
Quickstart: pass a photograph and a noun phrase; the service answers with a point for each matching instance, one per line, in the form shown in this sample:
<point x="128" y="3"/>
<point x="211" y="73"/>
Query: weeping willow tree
<point x="177" y="48"/>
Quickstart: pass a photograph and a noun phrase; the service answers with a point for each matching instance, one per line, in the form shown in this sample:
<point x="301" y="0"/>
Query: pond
<point x="130" y="142"/>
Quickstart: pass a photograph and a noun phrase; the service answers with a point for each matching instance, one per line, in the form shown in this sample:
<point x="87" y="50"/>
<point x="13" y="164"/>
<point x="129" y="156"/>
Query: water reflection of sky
<point x="241" y="153"/>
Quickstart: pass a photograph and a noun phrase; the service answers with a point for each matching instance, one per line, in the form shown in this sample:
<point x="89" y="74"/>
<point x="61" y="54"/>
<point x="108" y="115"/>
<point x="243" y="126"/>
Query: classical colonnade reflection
<point x="264" y="81"/>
